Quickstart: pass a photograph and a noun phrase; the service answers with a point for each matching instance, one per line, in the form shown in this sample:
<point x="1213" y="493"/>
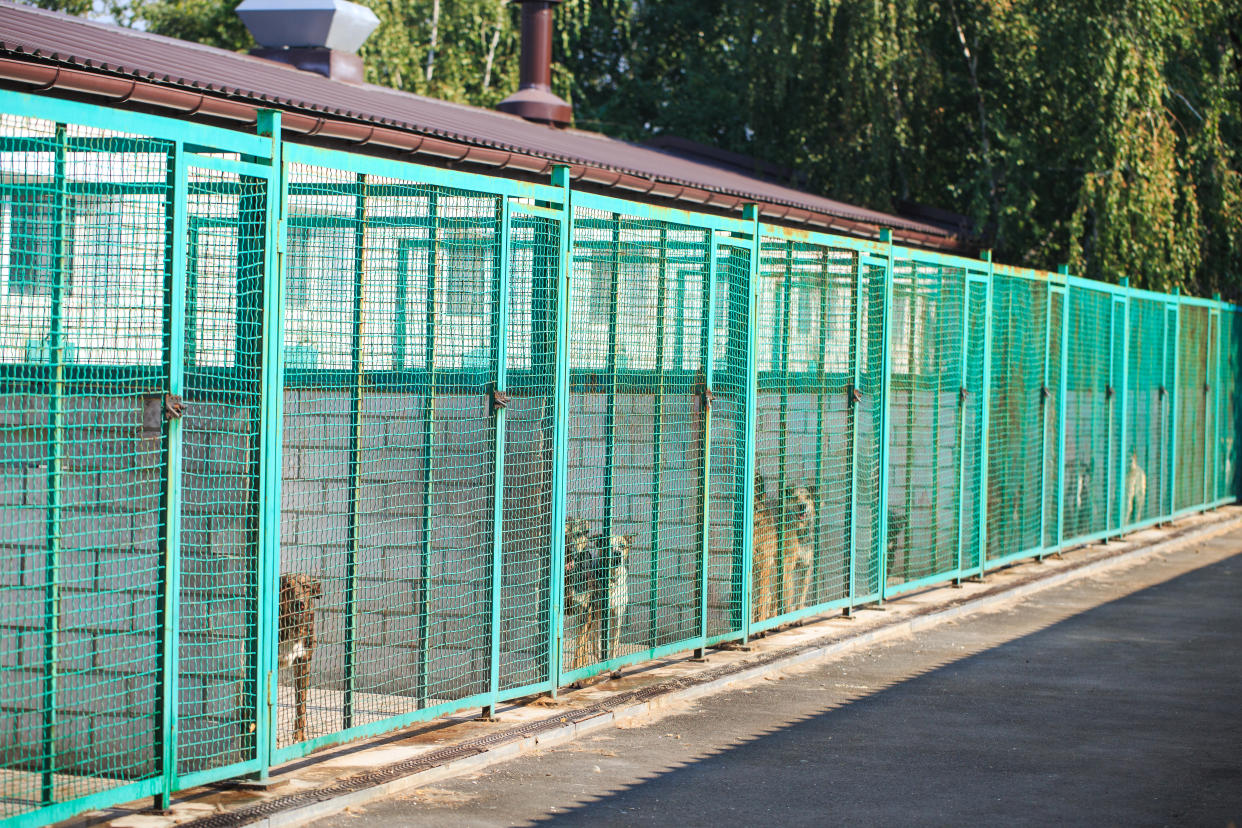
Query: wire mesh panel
<point x="1227" y="402"/>
<point x="869" y="428"/>
<point x="1017" y="421"/>
<point x="217" y="658"/>
<point x="389" y="444"/>
<point x="1052" y="393"/>
<point x="531" y="353"/>
<point x="1088" y="407"/>
<point x="731" y="326"/>
<point x="1147" y="413"/>
<point x="804" y="431"/>
<point x="1193" y="390"/>
<point x="84" y="224"/>
<point x="635" y="435"/>
<point x="924" y="416"/>
<point x="972" y="504"/>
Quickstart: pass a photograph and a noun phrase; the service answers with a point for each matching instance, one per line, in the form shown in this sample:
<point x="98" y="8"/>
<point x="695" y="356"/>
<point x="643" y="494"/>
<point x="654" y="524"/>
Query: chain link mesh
<point x="417" y="423"/>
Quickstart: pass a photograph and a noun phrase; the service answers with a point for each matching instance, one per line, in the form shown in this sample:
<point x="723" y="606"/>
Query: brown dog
<point x="797" y="525"/>
<point x="297" y="639"/>
<point x="764" y="552"/>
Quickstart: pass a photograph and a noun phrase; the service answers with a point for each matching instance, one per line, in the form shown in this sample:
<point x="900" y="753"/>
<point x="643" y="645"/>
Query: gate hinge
<point x="1108" y="392"/>
<point x="1207" y="389"/>
<point x="1044" y="392"/>
<point x="706" y="398"/>
<point x="499" y="399"/>
<point x="962" y="394"/>
<point x="855" y="396"/>
<point x="1164" y="392"/>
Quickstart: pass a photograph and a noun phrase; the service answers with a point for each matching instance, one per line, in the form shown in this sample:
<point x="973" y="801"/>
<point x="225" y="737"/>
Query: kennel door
<point x="218" y="715"/>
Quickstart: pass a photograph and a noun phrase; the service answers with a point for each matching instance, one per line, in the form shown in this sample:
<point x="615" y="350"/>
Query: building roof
<point x="51" y="38"/>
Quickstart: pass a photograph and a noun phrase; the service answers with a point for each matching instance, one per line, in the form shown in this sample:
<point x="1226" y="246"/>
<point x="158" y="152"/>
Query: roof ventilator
<point x="319" y="36"/>
<point x="534" y="99"/>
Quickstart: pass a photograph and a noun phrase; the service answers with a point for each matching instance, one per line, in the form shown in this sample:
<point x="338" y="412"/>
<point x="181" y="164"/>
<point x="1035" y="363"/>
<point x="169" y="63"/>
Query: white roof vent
<point x="316" y="35"/>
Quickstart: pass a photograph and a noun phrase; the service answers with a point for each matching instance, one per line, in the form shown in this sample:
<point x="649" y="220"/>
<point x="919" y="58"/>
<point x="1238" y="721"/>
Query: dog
<point x="298" y="594"/>
<point x="797" y="520"/>
<point x="1082" y="493"/>
<point x="897" y="540"/>
<point x="580" y="587"/>
<point x="597" y="590"/>
<point x="764" y="552"/>
<point x="613" y="588"/>
<point x="1136" y="489"/>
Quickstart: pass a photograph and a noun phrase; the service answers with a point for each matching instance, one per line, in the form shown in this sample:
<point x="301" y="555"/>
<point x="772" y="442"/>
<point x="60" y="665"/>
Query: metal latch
<point x="855" y="396"/>
<point x="706" y="398"/>
<point x="158" y="408"/>
<point x="1108" y="392"/>
<point x="1044" y="392"/>
<point x="499" y="400"/>
<point x="962" y="394"/>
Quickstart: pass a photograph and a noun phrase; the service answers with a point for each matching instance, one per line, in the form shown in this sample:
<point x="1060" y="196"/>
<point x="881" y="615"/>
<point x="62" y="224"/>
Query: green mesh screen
<point x="869" y="426"/>
<point x="1227" y="401"/>
<point x="1088" y="407"/>
<point x="972" y="504"/>
<point x="1147" y="413"/>
<point x="1054" y="375"/>
<point x="83" y="264"/>
<point x="636" y="435"/>
<point x="217" y="658"/>
<point x="1019" y="409"/>
<point x="730" y="329"/>
<point x="924" y="412"/>
<point x="804" y="431"/>
<point x="392" y="314"/>
<point x="1193" y="392"/>
<point x="416" y="422"/>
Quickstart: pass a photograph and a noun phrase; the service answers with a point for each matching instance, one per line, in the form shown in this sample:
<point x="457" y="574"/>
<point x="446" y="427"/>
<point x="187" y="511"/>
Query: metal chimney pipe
<point x="534" y="100"/>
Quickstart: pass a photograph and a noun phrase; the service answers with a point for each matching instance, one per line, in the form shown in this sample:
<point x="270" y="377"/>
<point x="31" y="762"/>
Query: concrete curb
<point x="650" y="708"/>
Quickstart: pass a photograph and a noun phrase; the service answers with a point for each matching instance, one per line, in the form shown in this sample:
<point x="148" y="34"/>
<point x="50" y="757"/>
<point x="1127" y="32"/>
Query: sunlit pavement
<point x="1112" y="700"/>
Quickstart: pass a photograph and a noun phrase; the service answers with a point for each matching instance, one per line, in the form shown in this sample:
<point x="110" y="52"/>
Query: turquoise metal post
<point x="1165" y="399"/>
<point x="986" y="415"/>
<point x="560" y="431"/>
<point x="355" y="448"/>
<point x="1122" y="393"/>
<point x="1174" y="396"/>
<point x="500" y="340"/>
<point x="170" y="499"/>
<point x="1062" y="396"/>
<point x="751" y="214"/>
<point x="657" y="450"/>
<point x="421" y="688"/>
<point x="707" y="358"/>
<point x="886" y="238"/>
<point x="1215" y="491"/>
<point x="55" y="437"/>
<point x="271" y="418"/>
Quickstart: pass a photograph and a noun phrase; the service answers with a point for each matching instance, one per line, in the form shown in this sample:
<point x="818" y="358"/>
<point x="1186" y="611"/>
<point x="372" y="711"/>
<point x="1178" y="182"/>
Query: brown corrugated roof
<point x="72" y="41"/>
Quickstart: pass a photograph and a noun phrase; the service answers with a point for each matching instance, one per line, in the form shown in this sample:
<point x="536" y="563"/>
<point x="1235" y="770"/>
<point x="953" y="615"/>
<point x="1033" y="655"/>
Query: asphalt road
<point x="1087" y="704"/>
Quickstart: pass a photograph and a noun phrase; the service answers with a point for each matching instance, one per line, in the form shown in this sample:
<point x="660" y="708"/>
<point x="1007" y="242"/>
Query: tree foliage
<point x="1102" y="133"/>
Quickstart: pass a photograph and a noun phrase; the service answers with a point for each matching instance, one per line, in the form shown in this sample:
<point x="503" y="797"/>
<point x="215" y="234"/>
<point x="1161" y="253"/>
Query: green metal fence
<point x="298" y="446"/>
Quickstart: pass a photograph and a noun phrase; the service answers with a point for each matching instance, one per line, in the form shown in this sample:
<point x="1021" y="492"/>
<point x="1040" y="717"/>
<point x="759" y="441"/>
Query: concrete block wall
<point x="107" y="603"/>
